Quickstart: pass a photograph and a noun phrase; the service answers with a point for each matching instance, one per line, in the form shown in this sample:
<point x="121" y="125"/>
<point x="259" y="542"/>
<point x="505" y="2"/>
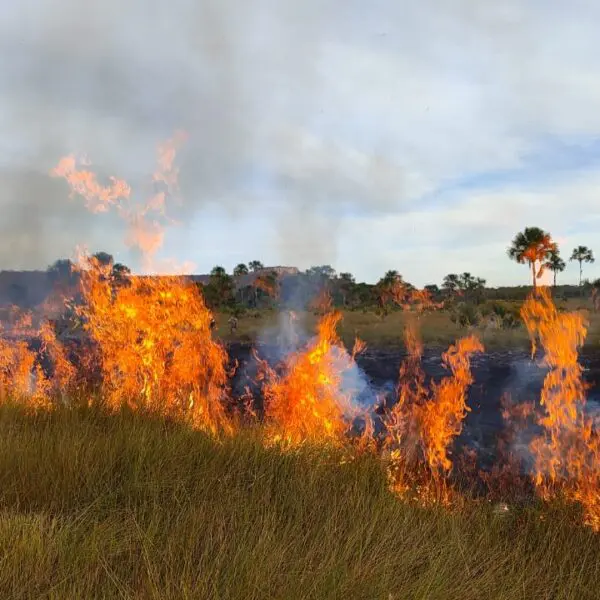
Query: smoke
<point x="114" y="79"/>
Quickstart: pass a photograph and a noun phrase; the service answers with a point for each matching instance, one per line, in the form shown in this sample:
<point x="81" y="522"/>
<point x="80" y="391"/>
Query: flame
<point x="156" y="349"/>
<point x="22" y="378"/>
<point x="145" y="220"/>
<point x="307" y="403"/>
<point x="567" y="453"/>
<point x="152" y="335"/>
<point x="150" y="343"/>
<point x="425" y="420"/>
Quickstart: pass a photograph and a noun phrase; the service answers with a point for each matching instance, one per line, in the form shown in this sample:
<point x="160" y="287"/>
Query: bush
<point x="465" y="315"/>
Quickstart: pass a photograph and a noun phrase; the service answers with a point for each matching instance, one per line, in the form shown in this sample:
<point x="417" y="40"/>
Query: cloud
<point x="318" y="131"/>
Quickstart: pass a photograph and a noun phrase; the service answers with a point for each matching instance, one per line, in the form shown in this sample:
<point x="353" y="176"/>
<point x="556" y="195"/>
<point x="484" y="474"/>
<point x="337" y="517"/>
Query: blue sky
<point x="419" y="136"/>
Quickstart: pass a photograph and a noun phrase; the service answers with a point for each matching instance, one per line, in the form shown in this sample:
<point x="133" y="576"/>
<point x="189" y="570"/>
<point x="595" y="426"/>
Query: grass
<point x="437" y="329"/>
<point x="128" y="507"/>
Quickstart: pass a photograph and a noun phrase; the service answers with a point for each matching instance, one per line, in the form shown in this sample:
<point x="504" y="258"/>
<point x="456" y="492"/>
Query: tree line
<point x="252" y="285"/>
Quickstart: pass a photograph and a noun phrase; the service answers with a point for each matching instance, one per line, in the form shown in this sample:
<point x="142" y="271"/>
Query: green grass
<point x="126" y="507"/>
<point x="437" y="329"/>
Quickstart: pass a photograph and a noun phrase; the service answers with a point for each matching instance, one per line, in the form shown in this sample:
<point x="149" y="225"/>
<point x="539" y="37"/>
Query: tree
<point x="582" y="254"/>
<point x="255" y="266"/>
<point x="464" y="284"/>
<point x="219" y="290"/>
<point x="433" y="290"/>
<point x="555" y="263"/>
<point x="391" y="288"/>
<point x="532" y="246"/>
<point x="121" y="274"/>
<point x="468" y="283"/>
<point x="322" y="271"/>
<point x="62" y="271"/>
<point x="451" y="283"/>
<point x="268" y="284"/>
<point x="104" y="259"/>
<point x="596" y="294"/>
<point x="346" y="284"/>
<point x="217" y="272"/>
<point x="472" y="287"/>
<point x="240" y="270"/>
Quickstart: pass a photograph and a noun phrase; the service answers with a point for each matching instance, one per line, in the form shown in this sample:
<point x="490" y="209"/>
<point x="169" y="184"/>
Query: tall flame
<point x="567" y="453"/>
<point x="155" y="346"/>
<point x="307" y="402"/>
<point x="424" y="421"/>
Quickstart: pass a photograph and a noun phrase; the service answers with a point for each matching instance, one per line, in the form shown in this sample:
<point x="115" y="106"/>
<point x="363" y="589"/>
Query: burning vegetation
<point x="151" y="348"/>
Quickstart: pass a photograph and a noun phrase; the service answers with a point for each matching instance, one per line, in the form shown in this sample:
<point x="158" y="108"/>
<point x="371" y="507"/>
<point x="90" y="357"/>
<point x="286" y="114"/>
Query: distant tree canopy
<point x="465" y="285"/>
<point x="532" y="246"/>
<point x="255" y="265"/>
<point x="555" y="263"/>
<point x="104" y="258"/>
<point x="582" y="254"/>
<point x="240" y="270"/>
<point x="219" y="292"/>
<point x="62" y="271"/>
<point x="322" y="271"/>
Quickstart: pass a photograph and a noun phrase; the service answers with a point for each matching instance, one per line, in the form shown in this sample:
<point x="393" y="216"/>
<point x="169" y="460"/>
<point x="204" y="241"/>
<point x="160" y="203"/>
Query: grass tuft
<point x="93" y="506"/>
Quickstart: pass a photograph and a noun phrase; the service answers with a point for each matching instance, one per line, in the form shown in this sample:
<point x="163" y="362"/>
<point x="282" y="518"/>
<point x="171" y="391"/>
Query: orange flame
<point x="424" y="421"/>
<point x="306" y="403"/>
<point x="156" y="349"/>
<point x="144" y="220"/>
<point x="567" y="454"/>
<point x="22" y="378"/>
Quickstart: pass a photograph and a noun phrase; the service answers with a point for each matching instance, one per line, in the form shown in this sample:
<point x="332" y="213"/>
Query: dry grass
<point x="436" y="327"/>
<point x="127" y="507"/>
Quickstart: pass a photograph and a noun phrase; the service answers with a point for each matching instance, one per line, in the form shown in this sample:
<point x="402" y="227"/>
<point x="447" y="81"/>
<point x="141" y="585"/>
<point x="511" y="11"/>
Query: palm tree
<point x="240" y="270"/>
<point x="582" y="254"/>
<point x="391" y="288"/>
<point x="255" y="265"/>
<point x="532" y="246"/>
<point x="555" y="263"/>
<point x="451" y="283"/>
<point x="218" y="271"/>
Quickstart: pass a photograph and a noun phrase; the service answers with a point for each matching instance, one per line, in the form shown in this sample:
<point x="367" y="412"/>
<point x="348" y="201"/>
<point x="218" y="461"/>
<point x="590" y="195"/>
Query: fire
<point x="567" y="453"/>
<point x="152" y="335"/>
<point x="146" y="220"/>
<point x="98" y="198"/>
<point x="424" y="421"/>
<point x="22" y="377"/>
<point x="151" y="347"/>
<point x="155" y="348"/>
<point x="442" y="419"/>
<point x="307" y="403"/>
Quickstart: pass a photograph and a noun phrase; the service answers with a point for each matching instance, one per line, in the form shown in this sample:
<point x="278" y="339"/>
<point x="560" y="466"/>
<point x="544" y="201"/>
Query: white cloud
<point x="325" y="131"/>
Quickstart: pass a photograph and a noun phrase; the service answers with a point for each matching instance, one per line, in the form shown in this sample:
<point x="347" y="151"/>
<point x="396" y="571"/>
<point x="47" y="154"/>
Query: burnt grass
<point x="498" y="374"/>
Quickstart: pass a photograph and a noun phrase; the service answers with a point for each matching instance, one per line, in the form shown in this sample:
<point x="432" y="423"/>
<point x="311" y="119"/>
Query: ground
<point x="436" y="327"/>
<point x="128" y="507"/>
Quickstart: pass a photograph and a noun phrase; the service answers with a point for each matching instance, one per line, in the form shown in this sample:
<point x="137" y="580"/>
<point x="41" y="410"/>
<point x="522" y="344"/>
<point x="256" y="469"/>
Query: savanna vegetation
<point x="126" y="506"/>
<point x="129" y="468"/>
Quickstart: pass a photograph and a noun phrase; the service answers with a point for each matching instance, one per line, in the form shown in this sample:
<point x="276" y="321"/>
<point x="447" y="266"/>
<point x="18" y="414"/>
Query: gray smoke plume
<point x="112" y="79"/>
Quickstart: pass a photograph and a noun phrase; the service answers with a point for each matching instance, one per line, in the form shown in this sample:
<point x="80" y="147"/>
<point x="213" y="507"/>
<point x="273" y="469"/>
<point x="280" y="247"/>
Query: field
<point x="437" y="328"/>
<point x="129" y="507"/>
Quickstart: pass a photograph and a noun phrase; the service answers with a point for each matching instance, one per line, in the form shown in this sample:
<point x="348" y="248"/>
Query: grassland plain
<point x="131" y="507"/>
<point x="436" y="327"/>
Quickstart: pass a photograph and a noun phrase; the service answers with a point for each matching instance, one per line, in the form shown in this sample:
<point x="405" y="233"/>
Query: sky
<point x="416" y="136"/>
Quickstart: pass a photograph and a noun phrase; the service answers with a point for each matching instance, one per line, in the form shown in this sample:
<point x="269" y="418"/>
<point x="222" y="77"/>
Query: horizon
<point x="544" y="281"/>
<point x="419" y="138"/>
